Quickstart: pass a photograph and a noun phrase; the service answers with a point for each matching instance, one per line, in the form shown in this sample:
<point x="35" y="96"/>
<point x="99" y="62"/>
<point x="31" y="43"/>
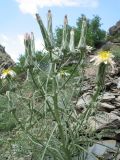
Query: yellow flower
<point x="104" y="57"/>
<point x="7" y="72"/>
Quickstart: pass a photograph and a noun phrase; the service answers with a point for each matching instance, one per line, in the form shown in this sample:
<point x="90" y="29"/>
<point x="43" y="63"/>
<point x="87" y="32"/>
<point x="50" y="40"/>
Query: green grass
<point x="116" y="51"/>
<point x="7" y="122"/>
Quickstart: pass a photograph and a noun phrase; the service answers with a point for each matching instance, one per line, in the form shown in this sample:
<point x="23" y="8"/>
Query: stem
<point x="33" y="79"/>
<point x="32" y="138"/>
<point x="58" y="119"/>
<point x="56" y="110"/>
<point x="13" y="110"/>
<point x="80" y="59"/>
<point x="42" y="93"/>
<point x="99" y="86"/>
<point x="99" y="83"/>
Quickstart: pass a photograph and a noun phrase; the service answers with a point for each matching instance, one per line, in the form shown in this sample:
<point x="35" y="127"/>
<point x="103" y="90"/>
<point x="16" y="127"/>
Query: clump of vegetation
<point x="47" y="125"/>
<point x="116" y="51"/>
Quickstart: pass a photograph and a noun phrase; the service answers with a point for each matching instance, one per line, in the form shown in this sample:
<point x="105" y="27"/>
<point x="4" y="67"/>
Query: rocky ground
<point x="107" y="118"/>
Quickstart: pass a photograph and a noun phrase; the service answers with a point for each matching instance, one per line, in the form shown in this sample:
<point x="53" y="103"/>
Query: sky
<point x="18" y="17"/>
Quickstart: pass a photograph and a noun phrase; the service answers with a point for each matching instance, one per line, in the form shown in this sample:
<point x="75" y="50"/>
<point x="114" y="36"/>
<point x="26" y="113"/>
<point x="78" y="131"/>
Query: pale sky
<point x="17" y="18"/>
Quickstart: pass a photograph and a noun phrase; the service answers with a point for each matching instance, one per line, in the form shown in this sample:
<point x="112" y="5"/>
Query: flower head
<point x="63" y="74"/>
<point x="89" y="48"/>
<point x="7" y="72"/>
<point x="104" y="57"/>
<point x="65" y="20"/>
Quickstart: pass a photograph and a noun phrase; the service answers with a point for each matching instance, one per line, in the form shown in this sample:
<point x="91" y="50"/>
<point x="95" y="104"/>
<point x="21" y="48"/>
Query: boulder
<point x="115" y="29"/>
<point x="106" y="106"/>
<point x="103" y="150"/>
<point x="114" y="33"/>
<point x="104" y="120"/>
<point x="5" y="60"/>
<point x="82" y="102"/>
<point x="107" y="96"/>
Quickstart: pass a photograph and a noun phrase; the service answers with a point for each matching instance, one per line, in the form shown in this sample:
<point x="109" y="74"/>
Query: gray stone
<point x="5" y="59"/>
<point x="118" y="157"/>
<point x="83" y="101"/>
<point x="104" y="120"/>
<point x="108" y="96"/>
<point x="117" y="112"/>
<point x="101" y="148"/>
<point x="115" y="29"/>
<point x="86" y="88"/>
<point x="117" y="105"/>
<point x="107" y="106"/>
<point x="118" y="83"/>
<point x="117" y="99"/>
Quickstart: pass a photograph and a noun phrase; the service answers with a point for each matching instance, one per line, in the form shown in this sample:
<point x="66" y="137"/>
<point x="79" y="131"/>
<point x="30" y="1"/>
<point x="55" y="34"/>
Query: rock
<point x="98" y="121"/>
<point x="5" y="59"/>
<point x="118" y="157"/>
<point x="112" y="30"/>
<point x="86" y="88"/>
<point x="117" y="105"/>
<point x="115" y="29"/>
<point x="82" y="102"/>
<point x="107" y="45"/>
<point x="90" y="72"/>
<point x="118" y="84"/>
<point x="102" y="149"/>
<point x="104" y="120"/>
<point x="108" y="96"/>
<point x="117" y="99"/>
<point x="114" y="33"/>
<point x="117" y="112"/>
<point x="111" y="85"/>
<point x="106" y="106"/>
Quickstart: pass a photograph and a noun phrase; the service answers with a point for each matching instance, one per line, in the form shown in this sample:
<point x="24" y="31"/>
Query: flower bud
<point x="28" y="50"/>
<point x="82" y="42"/>
<point x="65" y="35"/>
<point x="44" y="33"/>
<point x="49" y="27"/>
<point x="71" y="44"/>
<point x="32" y="43"/>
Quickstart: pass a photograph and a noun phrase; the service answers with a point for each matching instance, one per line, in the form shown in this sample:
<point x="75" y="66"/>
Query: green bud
<point x="49" y="27"/>
<point x="82" y="41"/>
<point x="44" y="33"/>
<point x="28" y="50"/>
<point x="65" y="35"/>
<point x="101" y="75"/>
<point x="71" y="44"/>
<point x="32" y="44"/>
